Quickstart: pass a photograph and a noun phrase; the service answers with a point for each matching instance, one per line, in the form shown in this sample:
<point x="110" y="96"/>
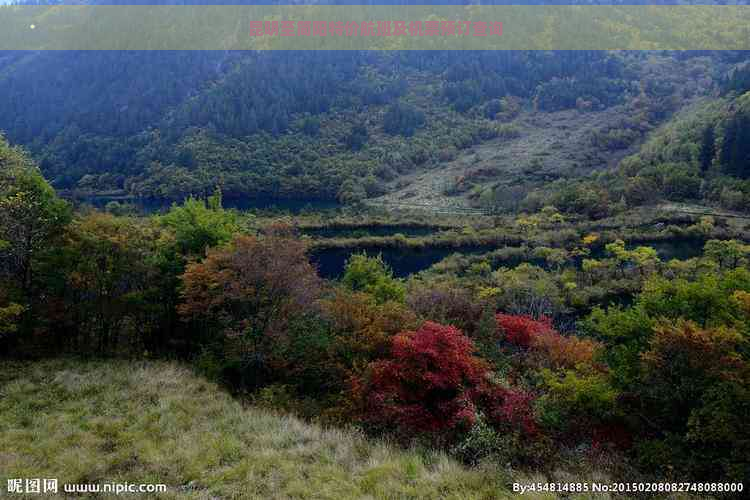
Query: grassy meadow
<point x="157" y="422"/>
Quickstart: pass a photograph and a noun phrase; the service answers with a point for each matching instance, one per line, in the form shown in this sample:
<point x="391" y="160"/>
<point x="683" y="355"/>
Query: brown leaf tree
<point x="248" y="291"/>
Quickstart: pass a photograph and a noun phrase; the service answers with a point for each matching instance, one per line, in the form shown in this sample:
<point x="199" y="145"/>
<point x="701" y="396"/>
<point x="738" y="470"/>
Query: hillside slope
<point x="164" y="125"/>
<point x="549" y="146"/>
<point x="539" y="146"/>
<point x="158" y="423"/>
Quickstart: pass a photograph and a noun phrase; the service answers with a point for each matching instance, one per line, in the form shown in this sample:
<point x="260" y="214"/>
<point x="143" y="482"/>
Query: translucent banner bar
<point x="360" y="27"/>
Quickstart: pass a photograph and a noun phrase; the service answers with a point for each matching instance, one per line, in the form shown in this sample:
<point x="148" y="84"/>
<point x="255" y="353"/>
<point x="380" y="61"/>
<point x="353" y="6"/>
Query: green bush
<point x="371" y="275"/>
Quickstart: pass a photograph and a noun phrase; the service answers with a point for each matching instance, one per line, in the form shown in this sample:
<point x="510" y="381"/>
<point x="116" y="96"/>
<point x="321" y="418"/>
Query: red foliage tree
<point x="520" y="330"/>
<point x="510" y="409"/>
<point x="433" y="383"/>
<point x="430" y="383"/>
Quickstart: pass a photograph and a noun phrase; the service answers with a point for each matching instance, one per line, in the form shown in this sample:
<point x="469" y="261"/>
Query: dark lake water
<point x="678" y="248"/>
<point x="151" y="206"/>
<point x="364" y="231"/>
<point x="403" y="261"/>
<point x="681" y="249"/>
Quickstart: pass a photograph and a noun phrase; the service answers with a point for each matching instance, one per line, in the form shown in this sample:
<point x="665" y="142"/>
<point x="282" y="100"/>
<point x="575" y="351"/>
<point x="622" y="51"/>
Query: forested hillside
<point x="168" y="124"/>
<point x="701" y="155"/>
<point x="338" y="125"/>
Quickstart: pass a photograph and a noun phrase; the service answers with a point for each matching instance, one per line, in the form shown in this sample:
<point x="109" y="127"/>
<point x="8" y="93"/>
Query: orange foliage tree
<point x="557" y="350"/>
<point x="362" y="328"/>
<point x="250" y="290"/>
<point x="565" y="351"/>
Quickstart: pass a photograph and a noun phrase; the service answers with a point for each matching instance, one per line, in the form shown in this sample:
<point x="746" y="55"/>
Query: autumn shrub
<point x="446" y="303"/>
<point x="520" y="330"/>
<point x="576" y="394"/>
<point x="428" y="385"/>
<point x="362" y="330"/>
<point x="505" y="429"/>
<point x="694" y="388"/>
<point x="258" y="279"/>
<point x="509" y="409"/>
<point x="246" y="296"/>
<point x="546" y="346"/>
<point x="565" y="351"/>
<point x="433" y="385"/>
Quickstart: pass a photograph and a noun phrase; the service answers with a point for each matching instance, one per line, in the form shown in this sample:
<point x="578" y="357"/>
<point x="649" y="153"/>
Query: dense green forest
<point x="569" y="340"/>
<point x="165" y="125"/>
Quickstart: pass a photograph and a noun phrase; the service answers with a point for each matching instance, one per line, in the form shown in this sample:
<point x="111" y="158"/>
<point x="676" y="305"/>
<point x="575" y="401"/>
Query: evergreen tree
<point x="708" y="148"/>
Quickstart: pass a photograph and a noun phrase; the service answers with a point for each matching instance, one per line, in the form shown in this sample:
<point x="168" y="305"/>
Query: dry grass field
<point x="157" y="422"/>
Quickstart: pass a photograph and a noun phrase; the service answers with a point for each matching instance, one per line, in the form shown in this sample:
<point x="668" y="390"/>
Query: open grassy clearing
<point x="546" y="146"/>
<point x="156" y="422"/>
<point x="549" y="145"/>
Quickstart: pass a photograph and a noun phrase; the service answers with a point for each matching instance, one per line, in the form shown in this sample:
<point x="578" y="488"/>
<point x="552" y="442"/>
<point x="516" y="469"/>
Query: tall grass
<point x="156" y="422"/>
